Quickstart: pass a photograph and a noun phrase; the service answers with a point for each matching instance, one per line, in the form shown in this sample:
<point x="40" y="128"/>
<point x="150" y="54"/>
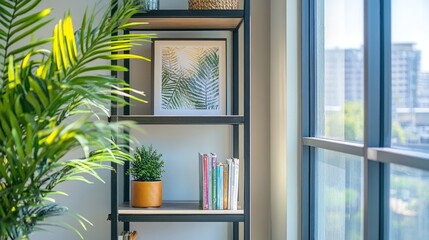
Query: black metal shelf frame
<point x="195" y="16"/>
<point x="191" y="14"/>
<point x="181" y="218"/>
<point x="180" y="120"/>
<point x="235" y="120"/>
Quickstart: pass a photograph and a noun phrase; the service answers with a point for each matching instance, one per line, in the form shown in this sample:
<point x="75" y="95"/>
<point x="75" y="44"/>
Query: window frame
<point x="376" y="148"/>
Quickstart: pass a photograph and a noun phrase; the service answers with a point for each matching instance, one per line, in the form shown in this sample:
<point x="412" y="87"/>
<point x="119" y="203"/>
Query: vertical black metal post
<point x="114" y="203"/>
<point x="247" y="119"/>
<point x="235" y="91"/>
<point x="113" y="174"/>
<point x="127" y="143"/>
<point x="235" y="231"/>
<point x="235" y="109"/>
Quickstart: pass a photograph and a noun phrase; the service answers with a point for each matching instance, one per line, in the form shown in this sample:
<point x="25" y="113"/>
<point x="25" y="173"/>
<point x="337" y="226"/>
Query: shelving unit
<point x="185" y="211"/>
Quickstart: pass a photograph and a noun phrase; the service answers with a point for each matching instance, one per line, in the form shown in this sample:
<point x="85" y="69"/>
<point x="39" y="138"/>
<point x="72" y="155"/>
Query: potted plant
<point x="146" y="170"/>
<point x="53" y="100"/>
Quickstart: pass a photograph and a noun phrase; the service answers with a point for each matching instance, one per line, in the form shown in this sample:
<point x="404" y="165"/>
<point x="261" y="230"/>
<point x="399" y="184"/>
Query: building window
<point x="410" y="75"/>
<point x="339" y="69"/>
<point x="409" y="203"/>
<point x="365" y="119"/>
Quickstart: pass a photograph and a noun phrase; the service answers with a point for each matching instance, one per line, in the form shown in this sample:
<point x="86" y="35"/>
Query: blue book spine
<point x="220" y="189"/>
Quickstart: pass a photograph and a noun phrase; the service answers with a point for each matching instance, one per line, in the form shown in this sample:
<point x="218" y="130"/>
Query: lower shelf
<point x="178" y="211"/>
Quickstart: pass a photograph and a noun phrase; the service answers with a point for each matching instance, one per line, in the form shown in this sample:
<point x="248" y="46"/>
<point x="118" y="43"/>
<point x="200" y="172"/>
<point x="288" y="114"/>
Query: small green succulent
<point x="147" y="166"/>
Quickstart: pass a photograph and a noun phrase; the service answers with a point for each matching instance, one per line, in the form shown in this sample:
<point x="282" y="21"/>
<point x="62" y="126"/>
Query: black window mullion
<point x="386" y="98"/>
<point x="377" y="117"/>
<point x="307" y="36"/>
<point x="386" y="119"/>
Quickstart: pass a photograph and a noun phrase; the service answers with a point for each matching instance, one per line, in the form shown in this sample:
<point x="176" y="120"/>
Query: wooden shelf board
<point x="175" y="207"/>
<point x="189" y="20"/>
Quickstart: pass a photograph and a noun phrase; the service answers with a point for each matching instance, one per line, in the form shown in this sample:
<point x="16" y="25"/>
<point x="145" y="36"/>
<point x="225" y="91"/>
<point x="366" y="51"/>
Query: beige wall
<point x="278" y="119"/>
<point x="260" y="146"/>
<point x="285" y="75"/>
<point x="93" y="201"/>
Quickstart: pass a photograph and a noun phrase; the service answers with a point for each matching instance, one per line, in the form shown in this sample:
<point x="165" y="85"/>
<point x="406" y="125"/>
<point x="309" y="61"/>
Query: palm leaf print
<point x="190" y="78"/>
<point x="204" y="85"/>
<point x="174" y="81"/>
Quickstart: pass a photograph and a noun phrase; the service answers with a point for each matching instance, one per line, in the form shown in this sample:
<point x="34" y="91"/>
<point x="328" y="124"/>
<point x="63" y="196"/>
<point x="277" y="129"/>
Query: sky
<point x="410" y="23"/>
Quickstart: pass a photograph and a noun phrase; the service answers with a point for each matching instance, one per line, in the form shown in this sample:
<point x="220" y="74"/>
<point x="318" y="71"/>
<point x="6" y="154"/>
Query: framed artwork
<point x="189" y="76"/>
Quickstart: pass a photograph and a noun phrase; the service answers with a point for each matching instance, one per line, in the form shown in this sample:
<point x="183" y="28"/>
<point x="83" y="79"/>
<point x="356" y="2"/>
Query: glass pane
<point x="410" y="74"/>
<point x="339" y="54"/>
<point x="409" y="203"/>
<point x="339" y="196"/>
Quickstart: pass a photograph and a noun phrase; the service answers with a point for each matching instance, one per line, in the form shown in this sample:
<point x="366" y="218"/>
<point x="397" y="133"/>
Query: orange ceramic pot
<point x="146" y="194"/>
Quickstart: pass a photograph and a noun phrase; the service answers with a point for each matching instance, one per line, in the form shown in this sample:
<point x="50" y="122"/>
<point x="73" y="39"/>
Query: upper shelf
<point x="189" y="19"/>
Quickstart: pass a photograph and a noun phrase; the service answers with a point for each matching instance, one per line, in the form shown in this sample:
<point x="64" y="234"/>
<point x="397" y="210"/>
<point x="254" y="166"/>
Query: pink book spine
<point x="206" y="187"/>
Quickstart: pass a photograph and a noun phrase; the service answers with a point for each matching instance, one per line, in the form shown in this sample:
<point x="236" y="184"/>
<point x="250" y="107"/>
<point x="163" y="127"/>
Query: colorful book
<point x="210" y="181"/>
<point x="225" y="186"/>
<point x="127" y="235"/>
<point x="229" y="162"/>
<point x="213" y="158"/>
<point x="217" y="187"/>
<point x="201" y="179"/>
<point x="236" y="168"/>
<point x="206" y="182"/>
<point x="133" y="235"/>
<point x="220" y="188"/>
<point x="232" y="184"/>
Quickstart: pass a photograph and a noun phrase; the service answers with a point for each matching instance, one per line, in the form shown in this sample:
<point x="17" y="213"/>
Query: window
<point x="365" y="119"/>
<point x="339" y="66"/>
<point x="339" y="201"/>
<point x="409" y="203"/>
<point x="410" y="74"/>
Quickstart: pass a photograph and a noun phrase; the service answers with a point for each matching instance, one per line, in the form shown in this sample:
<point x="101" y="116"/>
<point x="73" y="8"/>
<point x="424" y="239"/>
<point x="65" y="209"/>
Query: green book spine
<point x="214" y="184"/>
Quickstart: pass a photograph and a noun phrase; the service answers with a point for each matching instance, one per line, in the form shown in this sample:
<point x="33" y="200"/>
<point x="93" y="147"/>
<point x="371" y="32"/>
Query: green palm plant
<point x="53" y="101"/>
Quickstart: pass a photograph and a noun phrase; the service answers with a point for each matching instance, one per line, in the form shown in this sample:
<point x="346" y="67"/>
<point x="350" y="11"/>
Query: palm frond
<point x="51" y="102"/>
<point x="18" y="21"/>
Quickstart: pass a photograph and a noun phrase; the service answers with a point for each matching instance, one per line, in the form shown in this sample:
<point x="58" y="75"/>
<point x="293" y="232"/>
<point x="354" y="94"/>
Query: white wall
<point x="93" y="201"/>
<point x="285" y="75"/>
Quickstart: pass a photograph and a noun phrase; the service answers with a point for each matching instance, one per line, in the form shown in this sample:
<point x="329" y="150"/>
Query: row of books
<point x="128" y="235"/>
<point x="218" y="182"/>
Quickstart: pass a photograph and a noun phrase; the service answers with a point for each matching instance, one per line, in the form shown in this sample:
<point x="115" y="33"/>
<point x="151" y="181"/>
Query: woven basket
<point x="212" y="4"/>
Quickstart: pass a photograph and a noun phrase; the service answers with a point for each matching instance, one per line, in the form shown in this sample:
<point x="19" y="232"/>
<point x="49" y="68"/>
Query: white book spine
<point x="236" y="174"/>
<point x="229" y="162"/>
